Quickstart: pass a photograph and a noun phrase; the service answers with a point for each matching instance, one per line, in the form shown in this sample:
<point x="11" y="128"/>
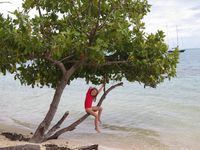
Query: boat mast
<point x="167" y="35"/>
<point x="177" y="37"/>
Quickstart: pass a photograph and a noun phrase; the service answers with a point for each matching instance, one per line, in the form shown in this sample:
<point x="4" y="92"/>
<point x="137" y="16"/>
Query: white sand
<point x="4" y="142"/>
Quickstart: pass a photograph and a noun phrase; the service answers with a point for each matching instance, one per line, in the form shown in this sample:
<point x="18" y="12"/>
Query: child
<point x="93" y="110"/>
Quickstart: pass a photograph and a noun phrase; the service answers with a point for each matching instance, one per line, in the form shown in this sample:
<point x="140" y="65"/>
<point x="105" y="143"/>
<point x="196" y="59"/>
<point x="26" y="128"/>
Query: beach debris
<point x="22" y="147"/>
<point x="90" y="147"/>
<point x="55" y="147"/>
<point x="15" y="136"/>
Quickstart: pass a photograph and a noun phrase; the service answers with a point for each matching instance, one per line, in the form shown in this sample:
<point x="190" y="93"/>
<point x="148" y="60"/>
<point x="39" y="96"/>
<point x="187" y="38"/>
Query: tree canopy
<point x="106" y="36"/>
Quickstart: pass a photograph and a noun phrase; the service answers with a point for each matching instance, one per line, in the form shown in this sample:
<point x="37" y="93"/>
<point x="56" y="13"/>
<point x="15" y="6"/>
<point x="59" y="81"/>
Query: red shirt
<point x="89" y="98"/>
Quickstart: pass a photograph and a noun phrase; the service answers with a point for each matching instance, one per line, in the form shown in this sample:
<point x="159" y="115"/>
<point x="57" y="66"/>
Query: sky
<point x="171" y="16"/>
<point x="168" y="15"/>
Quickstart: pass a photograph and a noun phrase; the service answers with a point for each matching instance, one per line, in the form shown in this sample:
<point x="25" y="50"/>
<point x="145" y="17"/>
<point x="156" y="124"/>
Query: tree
<point x="97" y="40"/>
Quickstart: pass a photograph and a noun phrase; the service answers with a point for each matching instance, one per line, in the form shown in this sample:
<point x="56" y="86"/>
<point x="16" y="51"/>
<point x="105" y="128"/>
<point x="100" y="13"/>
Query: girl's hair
<point x="94" y="89"/>
<point x="91" y="93"/>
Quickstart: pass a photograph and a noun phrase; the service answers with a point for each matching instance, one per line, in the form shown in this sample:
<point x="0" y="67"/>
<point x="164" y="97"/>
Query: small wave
<point x="135" y="131"/>
<point x="108" y="148"/>
<point x="24" y="124"/>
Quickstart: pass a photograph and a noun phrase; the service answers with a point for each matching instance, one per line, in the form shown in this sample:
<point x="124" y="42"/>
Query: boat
<point x="177" y="40"/>
<point x="181" y="50"/>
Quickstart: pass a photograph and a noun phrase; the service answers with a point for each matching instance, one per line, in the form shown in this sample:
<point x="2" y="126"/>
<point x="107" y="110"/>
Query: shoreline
<point x="61" y="142"/>
<point x="5" y="142"/>
<point x="73" y="141"/>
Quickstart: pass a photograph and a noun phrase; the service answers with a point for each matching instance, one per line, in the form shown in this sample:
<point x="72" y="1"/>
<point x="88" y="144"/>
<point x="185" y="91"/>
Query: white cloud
<point x="165" y="15"/>
<point x="184" y="14"/>
<point x="5" y="8"/>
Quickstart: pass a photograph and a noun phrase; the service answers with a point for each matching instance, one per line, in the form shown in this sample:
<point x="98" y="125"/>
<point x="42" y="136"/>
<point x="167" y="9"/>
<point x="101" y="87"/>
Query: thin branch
<point x="66" y="58"/>
<point x="57" y="125"/>
<point x="99" y="14"/>
<point x="76" y="123"/>
<point x="73" y="25"/>
<point x="108" y="63"/>
<point x="38" y="8"/>
<point x="102" y="64"/>
<point x="58" y="63"/>
<point x="69" y="128"/>
<point x="115" y="62"/>
<point x="77" y="14"/>
<point x="107" y="91"/>
<point x="94" y="30"/>
<point x="104" y="23"/>
<point x="74" y="68"/>
<point x="42" y="28"/>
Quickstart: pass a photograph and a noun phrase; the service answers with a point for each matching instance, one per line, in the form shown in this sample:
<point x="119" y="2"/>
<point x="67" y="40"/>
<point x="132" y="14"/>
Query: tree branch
<point x="108" y="63"/>
<point x="115" y="62"/>
<point x="57" y="125"/>
<point x="99" y="14"/>
<point x="94" y="30"/>
<point x="107" y="91"/>
<point x="102" y="64"/>
<point x="73" y="25"/>
<point x="66" y="58"/>
<point x="40" y="13"/>
<point x="74" y="67"/>
<point x="58" y="63"/>
<point x="77" y="14"/>
<point x="104" y="23"/>
<point x="76" y="123"/>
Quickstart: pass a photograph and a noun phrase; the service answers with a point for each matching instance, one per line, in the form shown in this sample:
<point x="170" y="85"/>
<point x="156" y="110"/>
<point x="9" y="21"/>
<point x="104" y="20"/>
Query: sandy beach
<point x="4" y="142"/>
<point x="61" y="142"/>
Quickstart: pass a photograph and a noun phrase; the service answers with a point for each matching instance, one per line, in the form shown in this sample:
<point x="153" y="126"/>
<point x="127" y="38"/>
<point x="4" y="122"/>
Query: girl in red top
<point x="93" y="110"/>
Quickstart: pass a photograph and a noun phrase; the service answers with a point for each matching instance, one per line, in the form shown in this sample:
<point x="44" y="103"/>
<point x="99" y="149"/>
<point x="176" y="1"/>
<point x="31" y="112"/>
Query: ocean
<point x="134" y="118"/>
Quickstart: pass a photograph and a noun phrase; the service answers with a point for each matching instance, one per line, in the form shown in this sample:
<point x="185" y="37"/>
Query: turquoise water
<point x="167" y="117"/>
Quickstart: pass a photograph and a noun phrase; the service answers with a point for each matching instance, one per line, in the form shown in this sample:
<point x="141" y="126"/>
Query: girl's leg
<point x="99" y="109"/>
<point x="96" y="124"/>
<point x="99" y="113"/>
<point x="90" y="111"/>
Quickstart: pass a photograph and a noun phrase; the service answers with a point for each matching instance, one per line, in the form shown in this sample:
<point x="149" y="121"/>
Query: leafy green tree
<point x="97" y="40"/>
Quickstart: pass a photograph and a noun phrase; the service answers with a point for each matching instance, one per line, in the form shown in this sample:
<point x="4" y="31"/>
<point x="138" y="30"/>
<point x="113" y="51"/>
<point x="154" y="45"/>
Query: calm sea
<point x="167" y="117"/>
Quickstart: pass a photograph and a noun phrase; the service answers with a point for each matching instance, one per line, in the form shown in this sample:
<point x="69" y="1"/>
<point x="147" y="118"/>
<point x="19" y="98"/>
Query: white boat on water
<point x="177" y="40"/>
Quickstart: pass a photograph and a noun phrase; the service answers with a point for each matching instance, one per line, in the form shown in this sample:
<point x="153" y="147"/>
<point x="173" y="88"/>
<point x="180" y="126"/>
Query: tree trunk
<point x="39" y="133"/>
<point x="38" y="136"/>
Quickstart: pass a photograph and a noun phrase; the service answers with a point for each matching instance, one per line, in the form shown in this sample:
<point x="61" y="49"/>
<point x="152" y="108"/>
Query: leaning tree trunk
<point x="38" y="136"/>
<point x="39" y="133"/>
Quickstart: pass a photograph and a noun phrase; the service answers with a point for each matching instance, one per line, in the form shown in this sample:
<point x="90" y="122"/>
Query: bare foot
<point x="98" y="131"/>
